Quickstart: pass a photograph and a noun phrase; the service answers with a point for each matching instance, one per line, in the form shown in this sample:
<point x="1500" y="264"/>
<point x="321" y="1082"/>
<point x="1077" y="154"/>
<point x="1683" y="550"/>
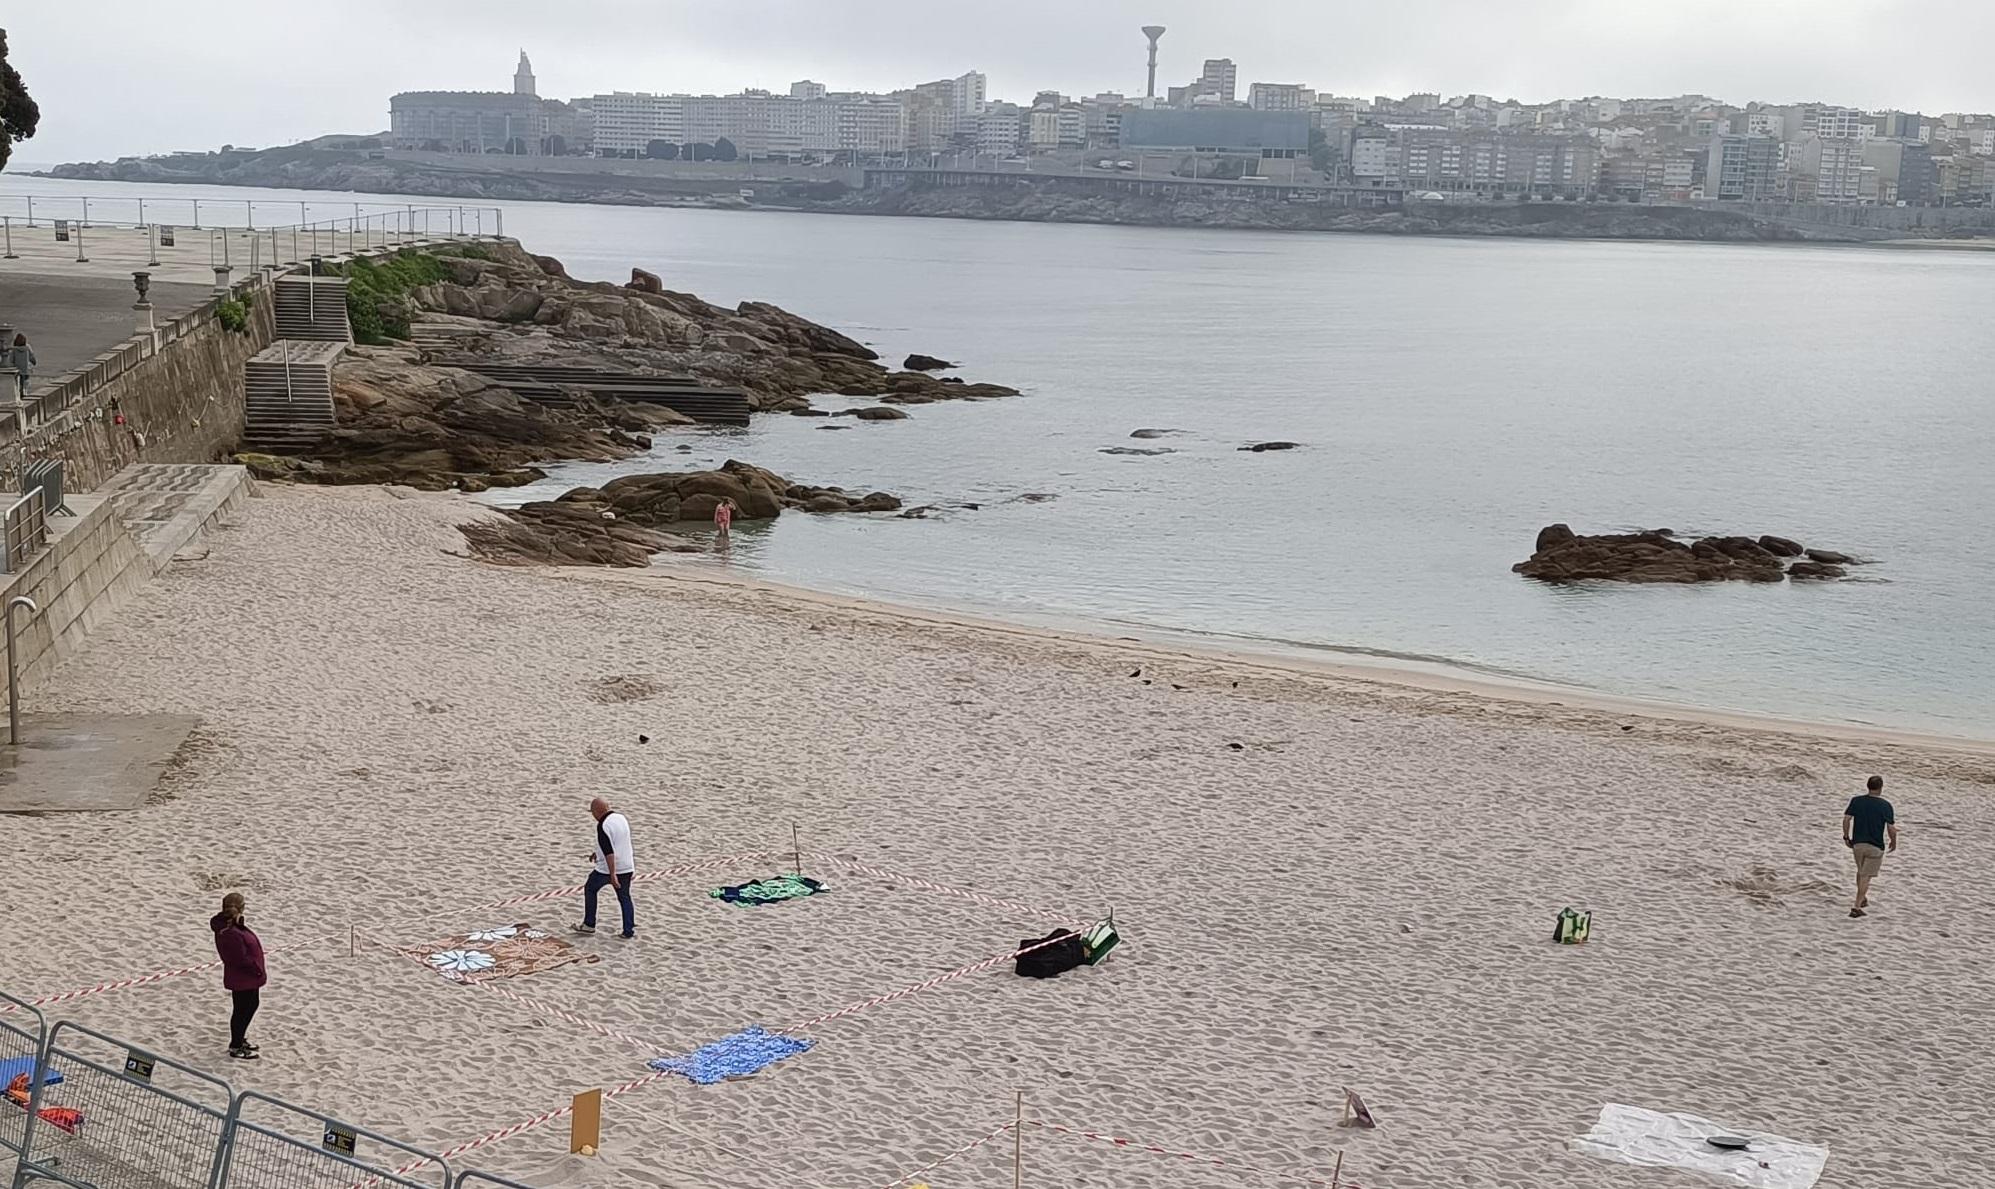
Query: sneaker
<point x="252" y="1048"/>
<point x="243" y="1053"/>
<point x="626" y="937"/>
<point x="1858" y="912"/>
<point x="585" y="930"/>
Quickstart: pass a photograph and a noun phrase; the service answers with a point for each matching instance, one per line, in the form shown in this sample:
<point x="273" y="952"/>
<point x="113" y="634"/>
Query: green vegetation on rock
<point x="377" y="292"/>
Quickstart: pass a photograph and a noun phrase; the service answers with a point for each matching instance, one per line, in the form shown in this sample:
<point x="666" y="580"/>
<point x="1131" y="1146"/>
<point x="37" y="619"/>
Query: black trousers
<point x="245" y="1011"/>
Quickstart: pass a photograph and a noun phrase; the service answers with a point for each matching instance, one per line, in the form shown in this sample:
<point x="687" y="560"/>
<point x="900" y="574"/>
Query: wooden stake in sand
<point x="585" y="1123"/>
<point x="797" y="850"/>
<point x="352" y="939"/>
<point x="1337" y="1173"/>
<point x="1018" y="1141"/>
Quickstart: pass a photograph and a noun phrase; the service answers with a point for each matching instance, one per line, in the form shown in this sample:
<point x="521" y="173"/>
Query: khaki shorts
<point x="1868" y="858"/>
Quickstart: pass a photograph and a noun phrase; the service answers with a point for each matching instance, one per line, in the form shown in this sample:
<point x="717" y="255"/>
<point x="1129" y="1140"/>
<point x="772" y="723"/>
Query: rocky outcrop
<point x="777" y="358"/>
<point x="566" y="536"/>
<point x="624" y="522"/>
<point x="1264" y="447"/>
<point x="1561" y="555"/>
<point x="401" y="420"/>
<point x="875" y="413"/>
<point x="1830" y="557"/>
<point x="925" y="363"/>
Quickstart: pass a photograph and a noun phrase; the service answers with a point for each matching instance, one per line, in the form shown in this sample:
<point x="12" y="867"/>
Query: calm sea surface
<point x="1452" y="397"/>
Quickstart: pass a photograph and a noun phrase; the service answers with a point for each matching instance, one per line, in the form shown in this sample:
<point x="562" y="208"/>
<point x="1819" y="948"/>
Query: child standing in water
<point x="723" y="519"/>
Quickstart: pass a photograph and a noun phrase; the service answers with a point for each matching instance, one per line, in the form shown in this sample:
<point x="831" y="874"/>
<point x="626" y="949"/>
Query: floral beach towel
<point x="503" y="951"/>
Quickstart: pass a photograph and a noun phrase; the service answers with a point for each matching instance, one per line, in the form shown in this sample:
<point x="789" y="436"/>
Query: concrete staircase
<point x="313" y="309"/>
<point x="287" y="397"/>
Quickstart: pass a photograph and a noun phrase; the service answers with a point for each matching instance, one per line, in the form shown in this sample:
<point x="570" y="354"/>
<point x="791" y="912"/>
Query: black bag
<point x="1066" y="952"/>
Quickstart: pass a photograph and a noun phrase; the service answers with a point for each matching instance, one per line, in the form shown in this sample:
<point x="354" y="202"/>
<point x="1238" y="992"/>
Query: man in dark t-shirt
<point x="1867" y="823"/>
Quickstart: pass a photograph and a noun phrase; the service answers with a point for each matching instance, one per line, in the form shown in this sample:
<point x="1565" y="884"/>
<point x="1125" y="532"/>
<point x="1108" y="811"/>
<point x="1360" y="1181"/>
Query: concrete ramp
<point x="71" y="763"/>
<point x="166" y="506"/>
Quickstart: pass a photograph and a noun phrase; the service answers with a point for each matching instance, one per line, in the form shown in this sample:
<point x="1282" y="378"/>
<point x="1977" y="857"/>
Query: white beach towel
<point x="1632" y="1135"/>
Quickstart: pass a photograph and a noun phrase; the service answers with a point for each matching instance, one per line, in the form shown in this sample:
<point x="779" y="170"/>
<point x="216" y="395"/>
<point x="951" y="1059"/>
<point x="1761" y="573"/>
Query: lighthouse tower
<point x="523" y="77"/>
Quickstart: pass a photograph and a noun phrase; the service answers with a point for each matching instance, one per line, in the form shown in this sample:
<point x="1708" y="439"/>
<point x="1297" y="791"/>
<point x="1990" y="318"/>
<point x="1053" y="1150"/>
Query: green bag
<point x="1573" y="927"/>
<point x="1099" y="939"/>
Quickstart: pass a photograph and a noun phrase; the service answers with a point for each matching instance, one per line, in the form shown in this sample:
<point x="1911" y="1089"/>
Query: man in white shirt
<point x="614" y="867"/>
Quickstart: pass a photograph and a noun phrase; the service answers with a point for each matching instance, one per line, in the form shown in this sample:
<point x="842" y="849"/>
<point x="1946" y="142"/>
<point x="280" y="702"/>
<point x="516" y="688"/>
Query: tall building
<point x="1829" y="169"/>
<point x="1746" y="168"/>
<point x="806" y="89"/>
<point x="516" y="121"/>
<point x="1218" y="79"/>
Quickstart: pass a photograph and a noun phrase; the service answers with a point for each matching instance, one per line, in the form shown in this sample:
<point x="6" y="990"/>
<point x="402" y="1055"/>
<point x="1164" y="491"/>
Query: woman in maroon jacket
<point x="242" y="971"/>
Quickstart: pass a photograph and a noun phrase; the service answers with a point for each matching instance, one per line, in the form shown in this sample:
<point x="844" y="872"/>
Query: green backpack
<point x="1573" y="927"/>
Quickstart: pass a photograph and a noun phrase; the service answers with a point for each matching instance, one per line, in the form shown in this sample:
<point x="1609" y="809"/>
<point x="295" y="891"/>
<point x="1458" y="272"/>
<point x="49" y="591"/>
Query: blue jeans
<point x="597" y="882"/>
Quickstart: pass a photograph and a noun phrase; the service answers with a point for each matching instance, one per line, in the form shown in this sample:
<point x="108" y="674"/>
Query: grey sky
<point x="127" y="76"/>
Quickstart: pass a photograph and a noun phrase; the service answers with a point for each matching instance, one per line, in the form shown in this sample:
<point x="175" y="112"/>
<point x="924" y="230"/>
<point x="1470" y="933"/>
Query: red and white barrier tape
<point x="503" y="1133"/>
<point x="958" y="1154"/>
<point x="918" y="988"/>
<point x="1191" y="1157"/>
<point x="157" y="976"/>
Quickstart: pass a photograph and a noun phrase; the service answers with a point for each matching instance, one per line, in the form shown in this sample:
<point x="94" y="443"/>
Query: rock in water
<point x="1563" y="556"/>
<point x="925" y="363"/>
<point x="1830" y="557"/>
<point x="1815" y="570"/>
<point x="1780" y="546"/>
<point x="1261" y="447"/>
<point x="875" y="413"/>
<point x="1153" y="433"/>
<point x="1139" y="450"/>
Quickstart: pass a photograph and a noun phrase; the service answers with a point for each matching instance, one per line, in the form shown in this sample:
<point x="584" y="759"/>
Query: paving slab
<point x="74" y="763"/>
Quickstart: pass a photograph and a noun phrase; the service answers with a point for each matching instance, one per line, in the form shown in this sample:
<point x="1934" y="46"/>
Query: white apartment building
<point x="806" y="89"/>
<point x="1280" y="97"/>
<point x="757" y="123"/>
<point x="1001" y="129"/>
<point x="628" y="121"/>
<point x="1832" y="167"/>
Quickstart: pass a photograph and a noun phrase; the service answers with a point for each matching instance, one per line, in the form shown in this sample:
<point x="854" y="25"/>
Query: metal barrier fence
<point x="25" y="525"/>
<point x="274" y="1155"/>
<point x="21" y="1047"/>
<point x="122" y="1117"/>
<point x="103" y="1114"/>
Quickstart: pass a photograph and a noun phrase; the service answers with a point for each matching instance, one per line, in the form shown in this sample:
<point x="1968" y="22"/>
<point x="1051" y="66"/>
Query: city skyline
<point x="200" y="94"/>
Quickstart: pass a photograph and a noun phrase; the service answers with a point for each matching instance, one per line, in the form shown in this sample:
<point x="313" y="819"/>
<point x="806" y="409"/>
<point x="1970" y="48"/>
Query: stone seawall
<point x="91" y="569"/>
<point x="181" y="403"/>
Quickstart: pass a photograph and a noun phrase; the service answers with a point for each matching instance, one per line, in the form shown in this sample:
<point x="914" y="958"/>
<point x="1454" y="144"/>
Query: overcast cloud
<point x="121" y="77"/>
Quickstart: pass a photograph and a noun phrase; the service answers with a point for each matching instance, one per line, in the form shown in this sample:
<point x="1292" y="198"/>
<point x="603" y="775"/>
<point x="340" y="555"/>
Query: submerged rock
<point x="925" y="363"/>
<point x="1263" y="447"/>
<point x="1139" y="450"/>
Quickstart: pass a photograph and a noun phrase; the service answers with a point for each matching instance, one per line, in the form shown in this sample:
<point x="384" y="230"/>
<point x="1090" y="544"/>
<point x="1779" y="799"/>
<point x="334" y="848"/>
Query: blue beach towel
<point x="14" y="1067"/>
<point x="738" y="1055"/>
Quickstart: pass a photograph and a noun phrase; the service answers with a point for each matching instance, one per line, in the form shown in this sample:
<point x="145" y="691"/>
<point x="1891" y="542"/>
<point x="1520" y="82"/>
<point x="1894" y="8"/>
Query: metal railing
<point x="105" y="1114"/>
<point x="23" y="1040"/>
<point x="273" y="1155"/>
<point x="239" y="214"/>
<point x="26" y="530"/>
<point x="124" y="1116"/>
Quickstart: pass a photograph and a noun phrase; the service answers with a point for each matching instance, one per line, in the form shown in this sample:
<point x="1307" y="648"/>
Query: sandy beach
<point x="1322" y="881"/>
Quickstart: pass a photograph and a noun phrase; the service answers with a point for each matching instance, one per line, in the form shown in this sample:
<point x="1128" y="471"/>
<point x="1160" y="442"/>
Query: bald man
<point x="614" y="868"/>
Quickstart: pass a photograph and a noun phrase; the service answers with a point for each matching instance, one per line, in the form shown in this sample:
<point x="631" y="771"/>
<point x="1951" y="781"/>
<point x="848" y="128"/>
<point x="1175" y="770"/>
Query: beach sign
<point x="62" y="231"/>
<point x="340" y="1139"/>
<point x="165" y="236"/>
<point x="138" y="1066"/>
<point x="585" y="1123"/>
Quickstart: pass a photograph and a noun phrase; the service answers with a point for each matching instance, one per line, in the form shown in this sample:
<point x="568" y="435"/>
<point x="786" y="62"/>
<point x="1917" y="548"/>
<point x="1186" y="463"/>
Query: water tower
<point x="1155" y="33"/>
